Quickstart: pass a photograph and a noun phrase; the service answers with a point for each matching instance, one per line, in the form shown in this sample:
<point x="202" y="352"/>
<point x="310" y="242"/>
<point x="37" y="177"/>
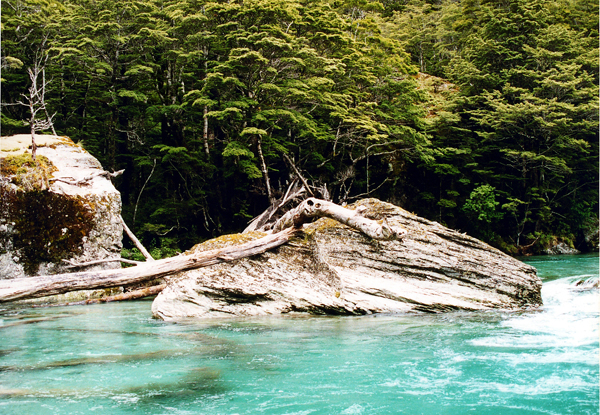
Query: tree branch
<point x="73" y="264"/>
<point x="135" y="240"/>
<point x="86" y="179"/>
<point x="302" y="179"/>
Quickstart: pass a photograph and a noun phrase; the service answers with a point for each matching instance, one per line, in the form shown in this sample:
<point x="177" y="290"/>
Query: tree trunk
<point x="264" y="170"/>
<point x="41" y="286"/>
<point x="205" y="131"/>
<point x="33" y="145"/>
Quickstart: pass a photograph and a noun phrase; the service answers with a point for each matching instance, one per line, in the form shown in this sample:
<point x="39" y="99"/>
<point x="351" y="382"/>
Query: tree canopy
<point x="480" y="114"/>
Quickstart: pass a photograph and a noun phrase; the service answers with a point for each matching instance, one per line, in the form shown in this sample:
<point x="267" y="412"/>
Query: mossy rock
<point x="27" y="173"/>
<point x="225" y="241"/>
<point x="43" y="220"/>
<point x="45" y="226"/>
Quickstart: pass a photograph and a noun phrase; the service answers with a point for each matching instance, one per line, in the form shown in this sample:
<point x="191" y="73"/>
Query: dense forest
<point x="479" y="114"/>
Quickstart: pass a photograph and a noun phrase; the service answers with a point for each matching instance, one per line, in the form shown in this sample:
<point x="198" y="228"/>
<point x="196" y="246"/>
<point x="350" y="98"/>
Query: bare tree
<point x="35" y="101"/>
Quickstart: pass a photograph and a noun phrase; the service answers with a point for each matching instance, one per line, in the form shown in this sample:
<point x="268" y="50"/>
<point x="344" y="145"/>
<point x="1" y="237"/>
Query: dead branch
<point x="261" y="222"/>
<point x="137" y="202"/>
<point x="86" y="179"/>
<point x="387" y="179"/>
<point x="302" y="179"/>
<point x="73" y="264"/>
<point x="136" y="241"/>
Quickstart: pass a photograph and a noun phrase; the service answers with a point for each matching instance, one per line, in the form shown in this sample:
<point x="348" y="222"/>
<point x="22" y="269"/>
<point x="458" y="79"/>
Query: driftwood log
<point x="315" y="208"/>
<point x="87" y="179"/>
<point x="41" y="286"/>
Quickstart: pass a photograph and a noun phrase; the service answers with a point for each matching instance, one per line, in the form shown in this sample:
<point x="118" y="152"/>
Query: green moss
<point x="226" y="241"/>
<point x="320" y="225"/>
<point x="48" y="227"/>
<point x="27" y="173"/>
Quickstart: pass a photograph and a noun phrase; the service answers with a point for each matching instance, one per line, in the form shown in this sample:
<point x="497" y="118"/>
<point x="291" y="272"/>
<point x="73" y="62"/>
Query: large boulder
<point x="44" y="221"/>
<point x="333" y="269"/>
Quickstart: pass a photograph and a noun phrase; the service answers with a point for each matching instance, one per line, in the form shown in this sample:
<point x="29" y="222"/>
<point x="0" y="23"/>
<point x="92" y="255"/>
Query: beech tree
<point x="214" y="108"/>
<point x="528" y="108"/>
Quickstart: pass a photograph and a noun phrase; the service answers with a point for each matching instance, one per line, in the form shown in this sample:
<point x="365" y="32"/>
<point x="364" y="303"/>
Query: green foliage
<point x="482" y="204"/>
<point x="527" y="100"/>
<point x="417" y="102"/>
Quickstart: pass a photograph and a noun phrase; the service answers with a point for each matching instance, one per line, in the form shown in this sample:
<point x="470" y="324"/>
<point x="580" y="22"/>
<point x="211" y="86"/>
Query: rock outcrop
<point x="333" y="269"/>
<point x="561" y="248"/>
<point x="63" y="208"/>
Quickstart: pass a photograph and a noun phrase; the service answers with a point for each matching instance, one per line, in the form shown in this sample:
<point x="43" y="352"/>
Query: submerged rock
<point x="44" y="220"/>
<point x="333" y="269"/>
<point x="587" y="283"/>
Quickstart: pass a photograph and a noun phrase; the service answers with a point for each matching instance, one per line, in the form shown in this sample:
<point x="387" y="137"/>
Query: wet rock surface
<point x="333" y="269"/>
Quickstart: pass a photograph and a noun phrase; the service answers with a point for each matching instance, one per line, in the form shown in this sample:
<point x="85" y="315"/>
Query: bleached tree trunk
<point x="312" y="208"/>
<point x="285" y="228"/>
<point x="264" y="169"/>
<point x="42" y="286"/>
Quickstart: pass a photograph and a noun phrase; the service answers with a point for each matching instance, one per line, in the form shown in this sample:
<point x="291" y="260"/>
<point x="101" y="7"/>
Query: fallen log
<point x="316" y="208"/>
<point x="131" y="295"/>
<point x="41" y="286"/>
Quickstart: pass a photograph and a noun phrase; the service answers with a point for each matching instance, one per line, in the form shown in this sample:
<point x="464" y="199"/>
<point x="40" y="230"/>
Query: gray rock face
<point x="591" y="236"/>
<point x="562" y="248"/>
<point x="41" y="227"/>
<point x="333" y="269"/>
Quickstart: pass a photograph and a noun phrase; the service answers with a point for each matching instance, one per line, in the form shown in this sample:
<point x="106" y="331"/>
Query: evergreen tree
<point x="529" y="93"/>
<point x="480" y="114"/>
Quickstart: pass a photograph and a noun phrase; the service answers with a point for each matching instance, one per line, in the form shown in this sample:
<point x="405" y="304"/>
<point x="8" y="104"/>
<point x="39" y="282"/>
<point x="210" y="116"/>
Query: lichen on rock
<point x="333" y="269"/>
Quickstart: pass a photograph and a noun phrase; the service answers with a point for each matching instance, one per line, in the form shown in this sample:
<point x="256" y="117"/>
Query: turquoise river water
<point x="116" y="359"/>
